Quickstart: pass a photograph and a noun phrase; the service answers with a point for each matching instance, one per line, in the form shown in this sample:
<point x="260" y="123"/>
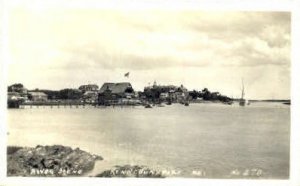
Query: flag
<point x="127" y="74"/>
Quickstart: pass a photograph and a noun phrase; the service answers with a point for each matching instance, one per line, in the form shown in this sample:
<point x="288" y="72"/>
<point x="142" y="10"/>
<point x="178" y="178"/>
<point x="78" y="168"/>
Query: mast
<point x="243" y="89"/>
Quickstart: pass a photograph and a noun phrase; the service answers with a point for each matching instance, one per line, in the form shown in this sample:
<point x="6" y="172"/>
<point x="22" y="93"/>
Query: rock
<point x="131" y="171"/>
<point x="56" y="160"/>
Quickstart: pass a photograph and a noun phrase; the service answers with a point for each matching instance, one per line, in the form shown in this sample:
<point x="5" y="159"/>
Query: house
<point x="90" y="96"/>
<point x="17" y="96"/>
<point x="13" y="96"/>
<point x="37" y="96"/>
<point x="112" y="92"/>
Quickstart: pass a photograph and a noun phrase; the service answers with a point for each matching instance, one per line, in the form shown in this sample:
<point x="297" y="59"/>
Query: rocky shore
<point x="61" y="161"/>
<point x="49" y="161"/>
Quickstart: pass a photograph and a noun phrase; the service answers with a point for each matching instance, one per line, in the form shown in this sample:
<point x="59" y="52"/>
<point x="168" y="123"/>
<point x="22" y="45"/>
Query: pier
<point x="73" y="104"/>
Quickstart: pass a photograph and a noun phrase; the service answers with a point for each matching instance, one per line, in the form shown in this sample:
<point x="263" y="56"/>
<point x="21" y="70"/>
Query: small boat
<point x="148" y="106"/>
<point x="242" y="102"/>
<point x="228" y="102"/>
<point x="168" y="101"/>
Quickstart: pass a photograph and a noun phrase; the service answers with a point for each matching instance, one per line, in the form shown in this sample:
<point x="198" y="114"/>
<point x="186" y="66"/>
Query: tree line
<point x="205" y="94"/>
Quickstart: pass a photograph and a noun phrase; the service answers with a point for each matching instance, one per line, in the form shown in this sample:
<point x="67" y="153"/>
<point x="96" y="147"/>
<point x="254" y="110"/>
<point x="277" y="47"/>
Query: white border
<point x="244" y="5"/>
<point x="295" y="96"/>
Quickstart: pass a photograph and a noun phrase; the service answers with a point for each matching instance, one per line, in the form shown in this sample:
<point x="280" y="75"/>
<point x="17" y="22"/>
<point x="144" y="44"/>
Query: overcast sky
<point x="57" y="49"/>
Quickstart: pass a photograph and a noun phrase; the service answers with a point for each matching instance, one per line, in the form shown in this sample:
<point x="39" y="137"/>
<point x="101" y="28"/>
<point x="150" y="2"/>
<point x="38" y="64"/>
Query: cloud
<point x="246" y="38"/>
<point x="257" y="52"/>
<point x="190" y="39"/>
<point x="153" y="39"/>
<point x="161" y="44"/>
<point x="99" y="57"/>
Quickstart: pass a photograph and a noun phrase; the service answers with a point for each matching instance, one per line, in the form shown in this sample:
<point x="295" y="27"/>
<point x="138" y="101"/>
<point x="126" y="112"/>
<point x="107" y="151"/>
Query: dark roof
<point x="116" y="88"/>
<point x="91" y="86"/>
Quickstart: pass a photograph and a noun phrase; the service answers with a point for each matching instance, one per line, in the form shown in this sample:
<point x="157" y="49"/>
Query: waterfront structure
<point x="113" y="93"/>
<point x="38" y="96"/>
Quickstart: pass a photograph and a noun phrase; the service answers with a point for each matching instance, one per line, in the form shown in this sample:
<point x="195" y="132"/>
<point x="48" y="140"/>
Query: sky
<point x="66" y="48"/>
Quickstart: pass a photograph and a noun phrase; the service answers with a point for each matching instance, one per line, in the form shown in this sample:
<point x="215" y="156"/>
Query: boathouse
<point x="111" y="93"/>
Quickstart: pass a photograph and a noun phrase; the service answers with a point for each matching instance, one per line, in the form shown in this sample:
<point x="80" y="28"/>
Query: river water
<point x="207" y="140"/>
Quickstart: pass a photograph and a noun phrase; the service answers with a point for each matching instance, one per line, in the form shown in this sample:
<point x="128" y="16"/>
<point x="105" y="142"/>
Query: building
<point x="90" y="96"/>
<point x="161" y="93"/>
<point x="13" y="96"/>
<point x="37" y="96"/>
<point x="112" y="93"/>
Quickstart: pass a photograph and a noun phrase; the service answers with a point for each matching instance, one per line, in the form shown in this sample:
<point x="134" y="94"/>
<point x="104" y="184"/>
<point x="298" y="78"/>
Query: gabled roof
<point x="116" y="88"/>
<point x="37" y="93"/>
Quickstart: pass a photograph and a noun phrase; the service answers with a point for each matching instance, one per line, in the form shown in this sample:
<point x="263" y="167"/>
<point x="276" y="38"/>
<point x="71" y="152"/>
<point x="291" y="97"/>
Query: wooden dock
<point x="55" y="104"/>
<point x="71" y="104"/>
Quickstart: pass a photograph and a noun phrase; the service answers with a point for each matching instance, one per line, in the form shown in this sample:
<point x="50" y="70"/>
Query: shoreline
<point x="200" y="102"/>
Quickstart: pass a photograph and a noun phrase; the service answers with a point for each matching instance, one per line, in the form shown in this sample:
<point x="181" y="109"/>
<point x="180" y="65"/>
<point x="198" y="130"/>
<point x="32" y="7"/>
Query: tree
<point x="70" y="94"/>
<point x="194" y="94"/>
<point x="206" y="94"/>
<point x="17" y="87"/>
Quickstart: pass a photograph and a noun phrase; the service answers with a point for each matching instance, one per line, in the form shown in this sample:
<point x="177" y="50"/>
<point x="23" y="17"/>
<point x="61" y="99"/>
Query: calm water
<point x="212" y="139"/>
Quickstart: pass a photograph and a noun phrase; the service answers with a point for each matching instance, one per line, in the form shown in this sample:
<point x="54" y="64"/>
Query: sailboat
<point x="243" y="100"/>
